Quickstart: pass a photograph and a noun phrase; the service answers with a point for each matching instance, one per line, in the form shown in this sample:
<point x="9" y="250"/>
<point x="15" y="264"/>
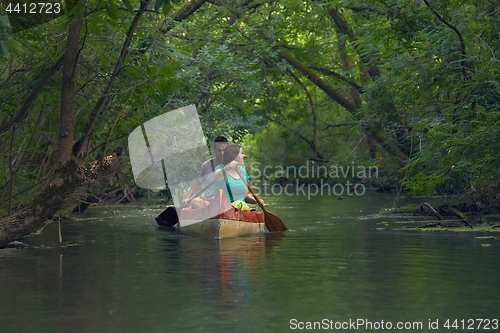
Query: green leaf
<point x="158" y="4"/>
<point x="4" y="19"/>
<point x="113" y="10"/>
<point x="3" y="47"/>
<point x="14" y="46"/>
<point x="167" y="6"/>
<point x="128" y="5"/>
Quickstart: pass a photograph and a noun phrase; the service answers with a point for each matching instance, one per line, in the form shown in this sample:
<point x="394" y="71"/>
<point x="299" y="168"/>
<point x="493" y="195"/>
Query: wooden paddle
<point x="169" y="218"/>
<point x="272" y="221"/>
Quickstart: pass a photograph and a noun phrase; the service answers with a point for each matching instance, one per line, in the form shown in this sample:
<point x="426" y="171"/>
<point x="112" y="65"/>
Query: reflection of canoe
<point x="213" y="224"/>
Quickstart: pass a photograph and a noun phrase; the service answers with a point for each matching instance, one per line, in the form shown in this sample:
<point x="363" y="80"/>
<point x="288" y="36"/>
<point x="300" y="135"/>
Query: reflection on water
<point x="340" y="261"/>
<point x="224" y="267"/>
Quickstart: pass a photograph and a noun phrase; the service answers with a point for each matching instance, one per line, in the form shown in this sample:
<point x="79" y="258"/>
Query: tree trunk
<point x="67" y="115"/>
<point x="63" y="183"/>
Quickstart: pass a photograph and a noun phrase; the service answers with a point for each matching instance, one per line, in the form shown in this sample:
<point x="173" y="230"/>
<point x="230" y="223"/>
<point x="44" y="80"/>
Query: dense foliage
<point x="409" y="86"/>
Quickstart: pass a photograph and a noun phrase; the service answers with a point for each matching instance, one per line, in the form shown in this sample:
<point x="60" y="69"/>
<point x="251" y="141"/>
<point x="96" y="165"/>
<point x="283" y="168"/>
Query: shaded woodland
<point x="408" y="86"/>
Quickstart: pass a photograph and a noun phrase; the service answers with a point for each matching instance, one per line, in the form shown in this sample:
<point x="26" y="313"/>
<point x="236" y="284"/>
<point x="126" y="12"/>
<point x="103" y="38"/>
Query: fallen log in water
<point x="458" y="214"/>
<point x="433" y="211"/>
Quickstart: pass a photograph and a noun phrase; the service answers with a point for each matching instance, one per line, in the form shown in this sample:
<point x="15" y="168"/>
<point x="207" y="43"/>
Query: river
<point x="342" y="266"/>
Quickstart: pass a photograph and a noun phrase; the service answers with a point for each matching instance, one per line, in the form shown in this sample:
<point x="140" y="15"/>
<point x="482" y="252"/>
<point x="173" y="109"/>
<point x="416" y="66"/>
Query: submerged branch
<point x="458" y="214"/>
<point x="433" y="211"/>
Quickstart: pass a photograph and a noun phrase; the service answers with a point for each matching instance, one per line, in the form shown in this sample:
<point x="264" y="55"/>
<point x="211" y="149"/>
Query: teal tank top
<point x="237" y="188"/>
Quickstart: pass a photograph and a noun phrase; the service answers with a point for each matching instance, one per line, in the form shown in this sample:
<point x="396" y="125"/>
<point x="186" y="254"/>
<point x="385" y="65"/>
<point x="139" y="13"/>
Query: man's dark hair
<point x="220" y="139"/>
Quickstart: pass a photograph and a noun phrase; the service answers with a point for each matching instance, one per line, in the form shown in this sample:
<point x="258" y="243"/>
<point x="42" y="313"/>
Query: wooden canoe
<point x="208" y="222"/>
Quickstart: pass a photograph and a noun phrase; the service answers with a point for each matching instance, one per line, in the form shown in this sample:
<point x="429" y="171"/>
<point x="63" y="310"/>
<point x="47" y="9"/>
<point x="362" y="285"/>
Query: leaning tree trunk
<point x="337" y="96"/>
<point x="66" y="178"/>
<point x="63" y="183"/>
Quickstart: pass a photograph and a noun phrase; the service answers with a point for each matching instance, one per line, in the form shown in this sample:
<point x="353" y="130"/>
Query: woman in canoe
<point x="227" y="177"/>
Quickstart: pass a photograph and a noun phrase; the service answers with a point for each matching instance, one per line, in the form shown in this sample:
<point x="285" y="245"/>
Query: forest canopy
<point x="407" y="86"/>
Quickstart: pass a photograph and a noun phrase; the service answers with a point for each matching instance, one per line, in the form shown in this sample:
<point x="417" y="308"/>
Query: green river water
<point x="342" y="267"/>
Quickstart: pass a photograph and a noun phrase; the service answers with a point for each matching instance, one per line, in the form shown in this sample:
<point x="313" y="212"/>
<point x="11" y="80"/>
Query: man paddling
<point x="206" y="177"/>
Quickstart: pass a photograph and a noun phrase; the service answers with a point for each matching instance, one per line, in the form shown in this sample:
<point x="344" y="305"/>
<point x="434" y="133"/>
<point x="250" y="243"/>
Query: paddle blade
<point x="273" y="222"/>
<point x="168" y="218"/>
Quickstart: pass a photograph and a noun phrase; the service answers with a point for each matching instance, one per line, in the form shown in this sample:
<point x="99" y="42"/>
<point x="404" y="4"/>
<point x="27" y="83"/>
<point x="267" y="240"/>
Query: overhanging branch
<point x="23" y="111"/>
<point x="319" y="82"/>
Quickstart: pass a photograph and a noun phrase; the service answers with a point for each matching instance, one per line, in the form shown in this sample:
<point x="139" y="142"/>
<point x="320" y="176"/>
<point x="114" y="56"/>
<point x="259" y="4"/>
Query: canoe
<point x="208" y="222"/>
